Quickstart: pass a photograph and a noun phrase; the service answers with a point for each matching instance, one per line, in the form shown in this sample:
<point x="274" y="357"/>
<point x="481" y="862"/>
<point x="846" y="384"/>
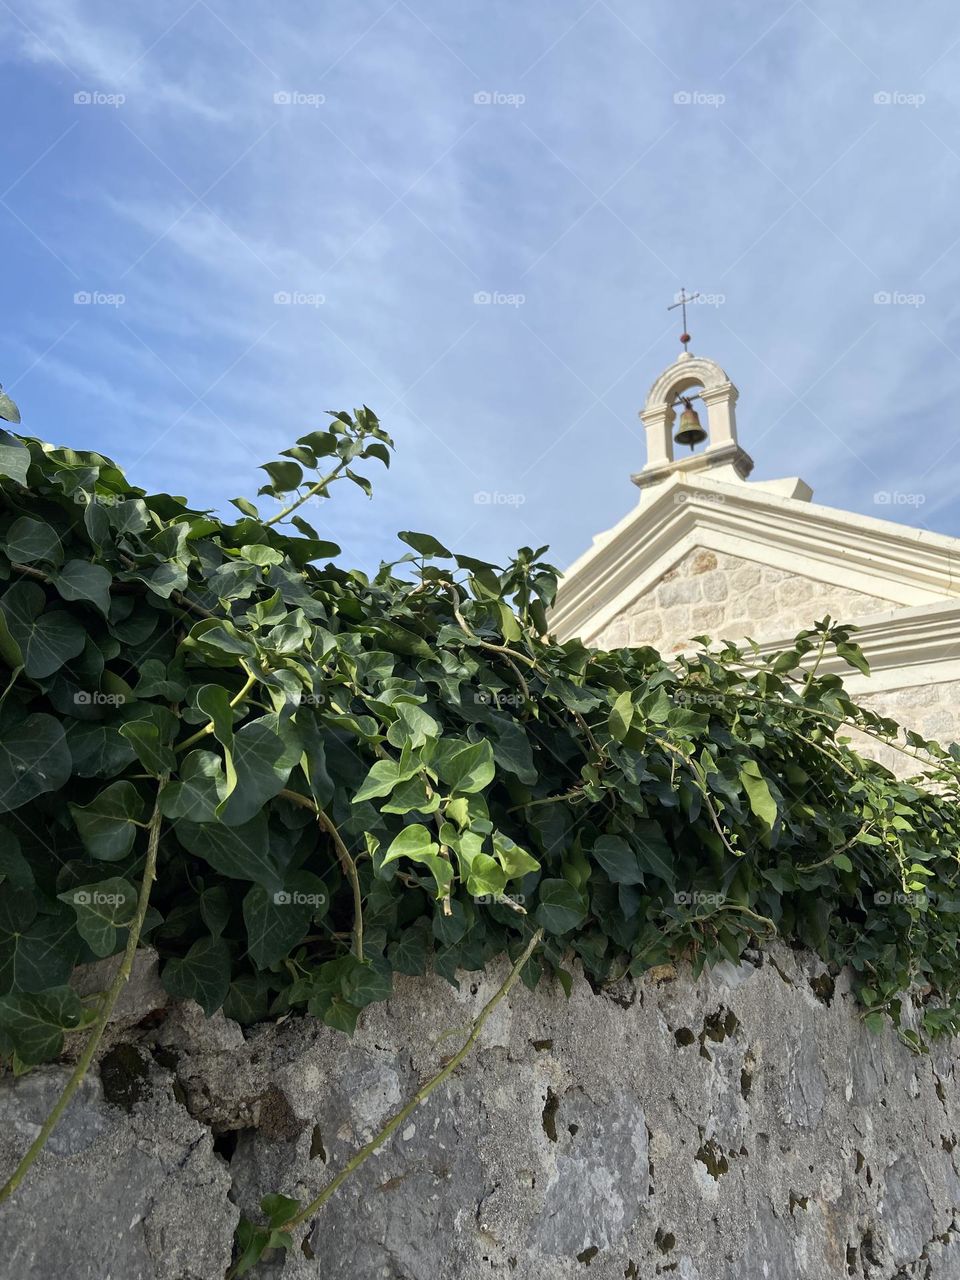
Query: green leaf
<point x="14" y="456"/>
<point x="413" y="842"/>
<point x="265" y="750"/>
<point x="561" y="907"/>
<point x="155" y="755"/>
<point x="853" y="656"/>
<point x="35" y="1023"/>
<point x="106" y="824"/>
<point x="29" y="541"/>
<point x="102" y="909"/>
<point x="618" y="860"/>
<point x="46" y="640"/>
<point x="202" y="975"/>
<point x="34" y="760"/>
<point x="80" y="580"/>
<point x="469" y="769"/>
<point x="201" y="788"/>
<point x="425" y="544"/>
<point x="241" y="853"/>
<point x="276" y="922"/>
<point x="383" y="777"/>
<point x="36" y="951"/>
<point x="758" y="793"/>
<point x="621" y="717"/>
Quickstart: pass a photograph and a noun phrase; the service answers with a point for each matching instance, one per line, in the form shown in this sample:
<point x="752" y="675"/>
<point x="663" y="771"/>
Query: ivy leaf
<point x="34" y="759"/>
<point x="155" y="755"/>
<point x="383" y="777"/>
<point x="470" y="769"/>
<point x="425" y="544"/>
<point x="80" y="580"/>
<point x="200" y="790"/>
<point x="36" y="951"/>
<point x="106" y="824"/>
<point x="413" y="842"/>
<point x="35" y="1023"/>
<point x="276" y="922"/>
<point x="561" y="907"/>
<point x="102" y="909"/>
<point x="618" y="860"/>
<point x="264" y="752"/>
<point x="621" y="717"/>
<point x="241" y="853"/>
<point x="202" y="975"/>
<point x="46" y="640"/>
<point x="29" y="541"/>
<point x="14" y="456"/>
<point x="758" y="793"/>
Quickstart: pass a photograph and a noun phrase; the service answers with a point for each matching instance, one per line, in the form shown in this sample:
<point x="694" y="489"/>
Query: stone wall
<point x="740" y="1126"/>
<point x="724" y="596"/>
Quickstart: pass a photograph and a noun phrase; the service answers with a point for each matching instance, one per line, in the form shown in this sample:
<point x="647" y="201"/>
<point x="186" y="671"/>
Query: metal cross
<point x="682" y="301"/>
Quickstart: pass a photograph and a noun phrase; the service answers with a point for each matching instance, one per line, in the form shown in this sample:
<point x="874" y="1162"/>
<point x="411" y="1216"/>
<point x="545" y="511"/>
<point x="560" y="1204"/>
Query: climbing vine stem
<point x="107" y="1002"/>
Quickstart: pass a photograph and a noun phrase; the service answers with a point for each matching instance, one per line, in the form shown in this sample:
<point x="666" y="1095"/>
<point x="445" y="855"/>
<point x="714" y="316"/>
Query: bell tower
<point x="691" y="379"/>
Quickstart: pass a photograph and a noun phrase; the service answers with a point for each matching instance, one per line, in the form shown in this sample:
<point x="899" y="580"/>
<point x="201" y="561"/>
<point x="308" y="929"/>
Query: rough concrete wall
<point x="720" y="595"/>
<point x="932" y="710"/>
<point x="742" y="1126"/>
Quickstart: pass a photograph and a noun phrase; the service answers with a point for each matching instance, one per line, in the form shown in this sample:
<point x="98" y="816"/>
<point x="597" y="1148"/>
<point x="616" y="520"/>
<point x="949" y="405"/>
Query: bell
<point x="690" y="431"/>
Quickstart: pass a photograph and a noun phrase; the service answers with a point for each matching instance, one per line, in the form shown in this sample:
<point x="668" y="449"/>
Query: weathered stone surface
<point x="741" y="1126"/>
<point x="744" y="599"/>
<point x="114" y="1196"/>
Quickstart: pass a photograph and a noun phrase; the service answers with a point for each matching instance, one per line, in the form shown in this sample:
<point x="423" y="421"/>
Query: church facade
<point x="709" y="552"/>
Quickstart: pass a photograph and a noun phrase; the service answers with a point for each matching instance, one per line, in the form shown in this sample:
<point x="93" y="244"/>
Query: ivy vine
<point x="295" y="780"/>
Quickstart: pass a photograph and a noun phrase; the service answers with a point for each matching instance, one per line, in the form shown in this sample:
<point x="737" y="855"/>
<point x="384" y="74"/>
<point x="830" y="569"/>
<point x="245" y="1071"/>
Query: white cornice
<point x="910" y="567"/>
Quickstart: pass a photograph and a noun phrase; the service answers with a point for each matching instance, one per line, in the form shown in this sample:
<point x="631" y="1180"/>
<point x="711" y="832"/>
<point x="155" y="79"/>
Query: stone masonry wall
<point x="723" y="596"/>
<point x="740" y="1126"/>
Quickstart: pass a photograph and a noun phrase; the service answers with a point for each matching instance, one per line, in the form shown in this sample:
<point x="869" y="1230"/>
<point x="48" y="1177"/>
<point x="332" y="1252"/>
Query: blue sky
<point x="816" y="165"/>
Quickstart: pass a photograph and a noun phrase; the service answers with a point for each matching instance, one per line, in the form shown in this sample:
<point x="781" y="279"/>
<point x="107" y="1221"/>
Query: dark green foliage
<point x="411" y="741"/>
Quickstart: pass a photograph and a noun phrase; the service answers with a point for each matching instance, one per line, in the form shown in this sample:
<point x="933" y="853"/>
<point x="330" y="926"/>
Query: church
<point x="708" y="551"/>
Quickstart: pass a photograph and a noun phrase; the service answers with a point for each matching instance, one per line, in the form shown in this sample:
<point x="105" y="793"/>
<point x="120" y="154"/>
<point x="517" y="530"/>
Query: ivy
<point x="353" y="775"/>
